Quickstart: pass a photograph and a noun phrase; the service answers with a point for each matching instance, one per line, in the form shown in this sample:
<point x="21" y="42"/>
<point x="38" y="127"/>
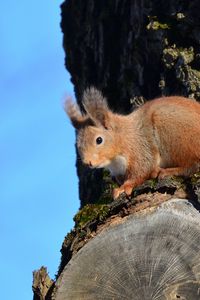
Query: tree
<point x="132" y="249"/>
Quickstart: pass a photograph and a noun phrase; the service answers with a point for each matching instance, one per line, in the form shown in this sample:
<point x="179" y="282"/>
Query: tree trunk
<point x="131" y="50"/>
<point x="138" y="248"/>
<point x="150" y="255"/>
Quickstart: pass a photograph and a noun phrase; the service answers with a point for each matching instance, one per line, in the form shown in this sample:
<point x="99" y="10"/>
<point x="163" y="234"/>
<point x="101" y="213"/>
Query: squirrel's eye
<point x="99" y="140"/>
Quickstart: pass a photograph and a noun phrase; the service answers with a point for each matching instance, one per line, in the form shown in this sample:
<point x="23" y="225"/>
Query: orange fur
<point x="161" y="138"/>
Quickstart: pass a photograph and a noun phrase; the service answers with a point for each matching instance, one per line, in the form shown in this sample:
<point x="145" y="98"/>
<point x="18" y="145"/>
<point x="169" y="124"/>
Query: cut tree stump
<point x="151" y="254"/>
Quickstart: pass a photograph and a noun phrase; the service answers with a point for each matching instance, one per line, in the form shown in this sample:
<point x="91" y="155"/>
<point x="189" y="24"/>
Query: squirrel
<point x="160" y="138"/>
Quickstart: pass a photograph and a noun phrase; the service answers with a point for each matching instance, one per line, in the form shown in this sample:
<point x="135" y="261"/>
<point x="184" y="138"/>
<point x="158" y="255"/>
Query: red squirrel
<point x="160" y="138"/>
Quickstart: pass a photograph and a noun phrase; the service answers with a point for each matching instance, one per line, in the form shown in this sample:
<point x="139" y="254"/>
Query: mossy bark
<point x="95" y="219"/>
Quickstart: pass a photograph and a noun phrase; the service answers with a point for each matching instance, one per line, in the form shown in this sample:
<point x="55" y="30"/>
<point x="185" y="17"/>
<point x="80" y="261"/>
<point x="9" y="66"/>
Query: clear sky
<point x="38" y="183"/>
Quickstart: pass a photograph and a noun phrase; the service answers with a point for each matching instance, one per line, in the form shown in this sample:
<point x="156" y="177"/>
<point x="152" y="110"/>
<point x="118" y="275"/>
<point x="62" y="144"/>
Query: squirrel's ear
<point x="74" y="113"/>
<point x="96" y="107"/>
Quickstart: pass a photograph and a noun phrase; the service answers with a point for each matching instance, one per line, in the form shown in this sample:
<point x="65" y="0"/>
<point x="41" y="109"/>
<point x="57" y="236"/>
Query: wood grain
<point x="154" y="254"/>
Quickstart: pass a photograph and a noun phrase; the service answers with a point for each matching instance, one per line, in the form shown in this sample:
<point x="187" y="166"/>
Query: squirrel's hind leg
<point x="178" y="171"/>
<point x="156" y="171"/>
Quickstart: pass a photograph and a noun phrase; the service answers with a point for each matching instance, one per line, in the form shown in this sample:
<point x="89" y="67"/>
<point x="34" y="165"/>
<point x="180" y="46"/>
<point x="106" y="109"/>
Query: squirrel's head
<point x="95" y="129"/>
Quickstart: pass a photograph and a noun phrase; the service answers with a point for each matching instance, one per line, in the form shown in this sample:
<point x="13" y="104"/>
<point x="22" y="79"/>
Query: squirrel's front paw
<point x="126" y="188"/>
<point x="116" y="193"/>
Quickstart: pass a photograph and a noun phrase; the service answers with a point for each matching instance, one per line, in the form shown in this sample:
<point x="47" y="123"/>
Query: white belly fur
<point x="117" y="166"/>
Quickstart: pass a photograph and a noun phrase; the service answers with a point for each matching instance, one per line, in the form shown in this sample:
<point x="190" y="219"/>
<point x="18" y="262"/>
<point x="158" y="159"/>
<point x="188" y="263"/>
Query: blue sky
<point x="38" y="183"/>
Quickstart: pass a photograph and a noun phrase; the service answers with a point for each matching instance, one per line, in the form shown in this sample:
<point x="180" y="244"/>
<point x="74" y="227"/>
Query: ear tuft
<point x="96" y="106"/>
<point x="74" y="113"/>
<point x="94" y="98"/>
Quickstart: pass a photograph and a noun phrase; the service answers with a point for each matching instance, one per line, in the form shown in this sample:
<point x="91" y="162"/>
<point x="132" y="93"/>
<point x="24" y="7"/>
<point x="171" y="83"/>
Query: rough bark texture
<point x="131" y="50"/>
<point x="42" y="285"/>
